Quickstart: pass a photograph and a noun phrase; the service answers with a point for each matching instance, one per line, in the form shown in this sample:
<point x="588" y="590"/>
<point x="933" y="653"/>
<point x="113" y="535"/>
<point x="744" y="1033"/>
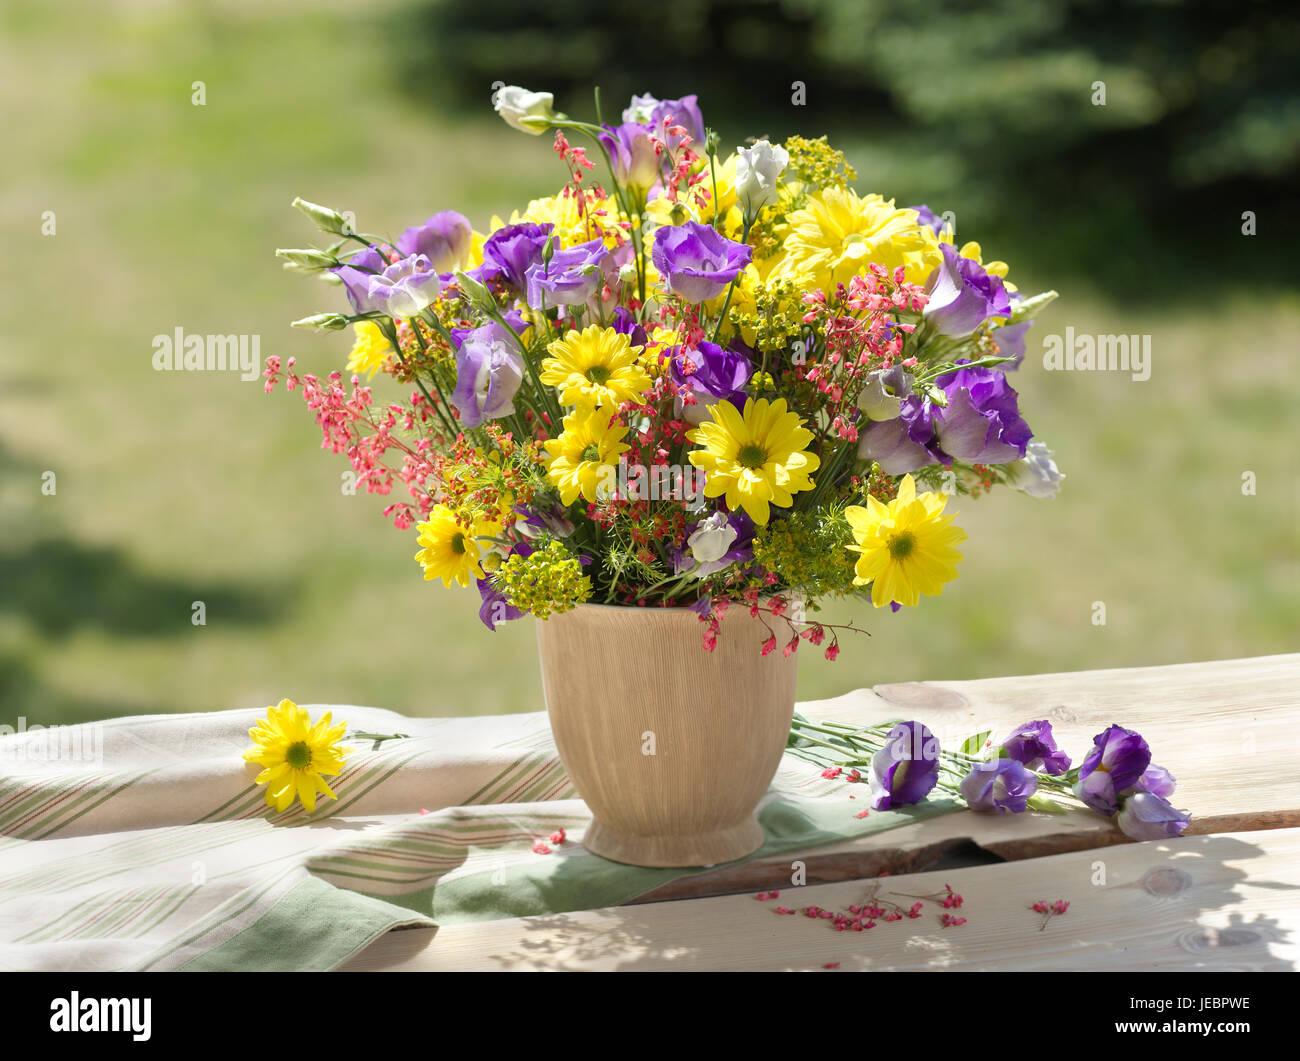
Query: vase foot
<point x="698" y="849"/>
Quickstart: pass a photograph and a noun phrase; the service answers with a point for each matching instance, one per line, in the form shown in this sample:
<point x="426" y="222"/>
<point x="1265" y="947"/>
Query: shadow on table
<point x="1179" y="886"/>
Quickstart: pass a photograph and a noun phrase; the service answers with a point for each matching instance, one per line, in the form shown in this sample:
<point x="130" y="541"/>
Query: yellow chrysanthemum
<point x="593" y="367"/>
<point x="370" y="351"/>
<point x="906" y="546"/>
<point x="756" y="458"/>
<point x="451" y="550"/>
<point x="585" y="455"/>
<point x="838" y="234"/>
<point x="295" y="754"/>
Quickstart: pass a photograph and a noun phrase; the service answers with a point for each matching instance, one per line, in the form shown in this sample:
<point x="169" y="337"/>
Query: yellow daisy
<point x="370" y="352"/>
<point x="906" y="547"/>
<point x="756" y="457"/>
<point x="584" y="457"/>
<point x="593" y="367"/>
<point x="838" y="234"/>
<point x="295" y="753"/>
<point x="451" y="550"/>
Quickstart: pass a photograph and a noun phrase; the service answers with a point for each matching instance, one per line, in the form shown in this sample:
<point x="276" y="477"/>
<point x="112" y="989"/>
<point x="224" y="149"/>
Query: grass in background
<point x="179" y="487"/>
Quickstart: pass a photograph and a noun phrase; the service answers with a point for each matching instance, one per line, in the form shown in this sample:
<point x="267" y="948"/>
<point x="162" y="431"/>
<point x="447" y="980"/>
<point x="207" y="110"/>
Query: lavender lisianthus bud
<point x="999" y="785"/>
<point x="1146" y="816"/>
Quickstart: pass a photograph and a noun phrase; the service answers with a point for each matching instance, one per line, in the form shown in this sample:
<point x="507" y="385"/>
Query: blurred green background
<point x="173" y="488"/>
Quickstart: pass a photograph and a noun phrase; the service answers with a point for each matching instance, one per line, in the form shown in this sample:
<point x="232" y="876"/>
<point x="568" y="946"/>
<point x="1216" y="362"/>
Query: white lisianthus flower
<point x="1035" y="474"/>
<point x="712" y="538"/>
<point x="710" y="543"/>
<point x="640" y="109"/>
<point x="876" y="402"/>
<point x="757" y="170"/>
<point x="529" y="112"/>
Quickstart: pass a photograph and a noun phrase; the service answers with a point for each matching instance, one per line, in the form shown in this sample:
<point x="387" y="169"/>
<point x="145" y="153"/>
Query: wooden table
<point x="1226" y="896"/>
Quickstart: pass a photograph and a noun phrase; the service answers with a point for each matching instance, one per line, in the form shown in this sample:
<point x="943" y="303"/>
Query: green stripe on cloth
<point x="312" y="926"/>
<point x="164" y="855"/>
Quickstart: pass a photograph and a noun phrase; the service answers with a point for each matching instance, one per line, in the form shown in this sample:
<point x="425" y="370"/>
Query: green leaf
<point x="972" y="745"/>
<point x="1045" y="804"/>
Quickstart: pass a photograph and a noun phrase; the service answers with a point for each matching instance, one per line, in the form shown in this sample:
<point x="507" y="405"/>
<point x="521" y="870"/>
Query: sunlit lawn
<point x="179" y="487"/>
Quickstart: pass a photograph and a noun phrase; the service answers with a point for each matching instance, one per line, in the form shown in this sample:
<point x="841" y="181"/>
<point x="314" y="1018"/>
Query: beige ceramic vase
<point x="670" y="745"/>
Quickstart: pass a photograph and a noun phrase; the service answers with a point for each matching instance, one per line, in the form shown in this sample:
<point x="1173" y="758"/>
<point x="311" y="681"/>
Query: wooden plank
<point x="1225" y="902"/>
<point x="1229" y="731"/>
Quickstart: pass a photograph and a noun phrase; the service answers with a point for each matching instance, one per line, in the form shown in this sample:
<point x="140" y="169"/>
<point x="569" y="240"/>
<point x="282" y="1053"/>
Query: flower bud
<point x="529" y="112"/>
<point x="322" y="322"/>
<point x="326" y="220"/>
<point x="477" y="292"/>
<point x="308" y="260"/>
<point x="757" y="170"/>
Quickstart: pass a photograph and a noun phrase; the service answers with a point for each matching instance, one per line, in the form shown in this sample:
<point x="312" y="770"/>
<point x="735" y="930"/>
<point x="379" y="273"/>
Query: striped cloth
<point x="142" y="844"/>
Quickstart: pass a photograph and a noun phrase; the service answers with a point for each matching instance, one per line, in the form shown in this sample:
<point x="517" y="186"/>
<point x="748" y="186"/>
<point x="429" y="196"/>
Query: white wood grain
<point x="1228" y="730"/>
<point x="1224" y="902"/>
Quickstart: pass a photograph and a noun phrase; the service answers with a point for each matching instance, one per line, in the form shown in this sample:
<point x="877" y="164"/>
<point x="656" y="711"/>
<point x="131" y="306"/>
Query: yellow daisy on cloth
<point x="295" y="753"/>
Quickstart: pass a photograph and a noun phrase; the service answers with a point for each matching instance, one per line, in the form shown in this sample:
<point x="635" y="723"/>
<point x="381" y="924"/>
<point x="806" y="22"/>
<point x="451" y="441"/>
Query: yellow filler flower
<point x="906" y="546"/>
<point x="585" y="455"/>
<point x="295" y="753"/>
<point x="451" y="550"/>
<point x="756" y="458"/>
<point x="596" y="366"/>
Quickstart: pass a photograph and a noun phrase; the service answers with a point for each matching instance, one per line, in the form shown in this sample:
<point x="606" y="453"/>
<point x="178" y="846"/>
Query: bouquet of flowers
<point x="687" y="379"/>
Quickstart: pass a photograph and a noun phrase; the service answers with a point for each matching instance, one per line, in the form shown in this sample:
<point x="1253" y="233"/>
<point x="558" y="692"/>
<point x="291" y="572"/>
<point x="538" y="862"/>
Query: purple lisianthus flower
<point x="981" y="422"/>
<point x="632" y="154"/>
<point x="489" y="368"/>
<point x="1011" y="343"/>
<point x="712" y="374"/>
<point x="890" y="443"/>
<point x="1117" y="761"/>
<point x="444" y="239"/>
<point x="963" y="295"/>
<point x="696" y="261"/>
<point x="927" y="217"/>
<point x="1158" y="781"/>
<point x="626" y="324"/>
<point x="647" y="110"/>
<point x="570" y="278"/>
<point x="906" y="768"/>
<point x="714" y="543"/>
<point x="495" y="608"/>
<point x="356" y="273"/>
<point x="404" y="288"/>
<point x="1146" y="816"/>
<point x="998" y="785"/>
<point x="1034" y="746"/>
<point x="542" y="518"/>
<point x="510" y="250"/>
